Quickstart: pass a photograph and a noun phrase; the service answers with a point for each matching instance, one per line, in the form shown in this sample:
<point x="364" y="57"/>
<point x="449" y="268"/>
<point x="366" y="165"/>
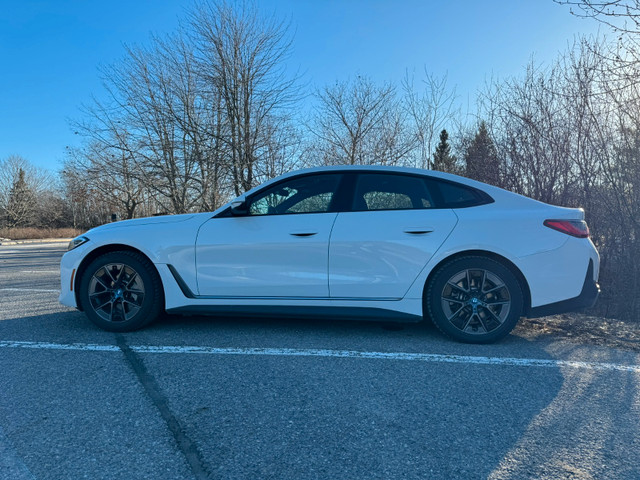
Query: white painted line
<point x="39" y="271"/>
<point x="291" y="352"/>
<point x="423" y="357"/>
<point x="85" y="347"/>
<point x="40" y="290"/>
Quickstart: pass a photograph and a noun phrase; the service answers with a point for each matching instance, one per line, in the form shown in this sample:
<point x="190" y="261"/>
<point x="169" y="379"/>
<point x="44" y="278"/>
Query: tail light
<point x="575" y="228"/>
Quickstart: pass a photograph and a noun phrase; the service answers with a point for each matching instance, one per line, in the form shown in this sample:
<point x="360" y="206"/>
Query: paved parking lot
<point x="225" y="398"/>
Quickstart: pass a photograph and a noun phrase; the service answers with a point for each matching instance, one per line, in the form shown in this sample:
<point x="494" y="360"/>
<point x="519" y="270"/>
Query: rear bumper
<point x="586" y="299"/>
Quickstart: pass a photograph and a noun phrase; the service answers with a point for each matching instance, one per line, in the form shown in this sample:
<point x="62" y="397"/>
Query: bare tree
<point x="281" y="150"/>
<point x="241" y="57"/>
<point x="159" y="131"/>
<point x="429" y="111"/>
<point x="532" y="134"/>
<point x="112" y="174"/>
<point x="622" y="16"/>
<point x="86" y="206"/>
<point x="358" y="123"/>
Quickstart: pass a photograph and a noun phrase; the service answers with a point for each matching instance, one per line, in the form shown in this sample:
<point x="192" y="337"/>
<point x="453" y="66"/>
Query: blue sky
<point x="50" y="51"/>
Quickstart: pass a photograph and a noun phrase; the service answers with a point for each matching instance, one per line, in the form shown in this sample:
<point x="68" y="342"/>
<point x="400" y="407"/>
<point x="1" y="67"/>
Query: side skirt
<point x="312" y="312"/>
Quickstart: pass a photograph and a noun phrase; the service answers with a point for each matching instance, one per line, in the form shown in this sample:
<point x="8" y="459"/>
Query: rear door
<point x="392" y="229"/>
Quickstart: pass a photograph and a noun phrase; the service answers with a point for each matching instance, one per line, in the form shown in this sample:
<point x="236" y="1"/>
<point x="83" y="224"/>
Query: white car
<point x="361" y="242"/>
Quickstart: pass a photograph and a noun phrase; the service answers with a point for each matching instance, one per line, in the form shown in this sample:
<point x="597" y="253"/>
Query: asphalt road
<point x="224" y="398"/>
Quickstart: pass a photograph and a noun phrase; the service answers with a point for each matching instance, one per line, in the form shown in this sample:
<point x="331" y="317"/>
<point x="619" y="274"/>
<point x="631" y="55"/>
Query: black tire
<point x="474" y="299"/>
<point x="121" y="291"/>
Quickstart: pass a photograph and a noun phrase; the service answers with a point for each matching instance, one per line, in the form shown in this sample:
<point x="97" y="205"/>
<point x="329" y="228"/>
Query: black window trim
<point x="342" y="200"/>
<point x="431" y="183"/>
<point x="227" y="211"/>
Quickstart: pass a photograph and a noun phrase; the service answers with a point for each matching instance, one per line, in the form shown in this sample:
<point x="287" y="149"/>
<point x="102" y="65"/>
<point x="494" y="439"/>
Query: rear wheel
<point x="121" y="291"/>
<point x="474" y="299"/>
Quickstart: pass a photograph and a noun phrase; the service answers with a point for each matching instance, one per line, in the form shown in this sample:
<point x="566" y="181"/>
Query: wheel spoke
<point x="99" y="280"/>
<point x="131" y="280"/>
<point x="450" y="283"/>
<point x="493" y="318"/>
<point x="103" y="305"/>
<point x="120" y="274"/>
<point x="464" y="327"/>
<point x="454" y="314"/>
<point x="494" y="289"/>
<point x="501" y="302"/>
<point x="482" y="323"/>
<point x="484" y="279"/>
<point x="95" y="294"/>
<point x="455" y="300"/>
<point x="121" y="313"/>
<point x="108" y="270"/>
<point x="131" y="303"/>
<point x="137" y="301"/>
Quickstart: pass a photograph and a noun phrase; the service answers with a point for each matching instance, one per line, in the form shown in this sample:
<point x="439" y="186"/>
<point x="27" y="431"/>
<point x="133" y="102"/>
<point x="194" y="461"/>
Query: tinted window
<point x="390" y="192"/>
<point x="307" y="194"/>
<point x="455" y="195"/>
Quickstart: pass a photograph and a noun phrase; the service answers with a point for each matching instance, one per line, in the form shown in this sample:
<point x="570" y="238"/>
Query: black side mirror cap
<point x="239" y="207"/>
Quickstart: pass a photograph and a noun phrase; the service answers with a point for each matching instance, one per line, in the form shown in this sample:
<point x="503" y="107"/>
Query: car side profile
<point x="360" y="242"/>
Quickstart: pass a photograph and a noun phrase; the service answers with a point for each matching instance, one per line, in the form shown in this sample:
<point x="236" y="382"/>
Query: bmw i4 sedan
<point x="368" y="242"/>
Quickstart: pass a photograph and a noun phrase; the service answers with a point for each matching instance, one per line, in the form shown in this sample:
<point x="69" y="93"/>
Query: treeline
<point x="202" y="115"/>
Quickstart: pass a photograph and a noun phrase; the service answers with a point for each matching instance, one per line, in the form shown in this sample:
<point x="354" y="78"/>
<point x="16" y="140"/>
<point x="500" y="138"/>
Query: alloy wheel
<point x="475" y="301"/>
<point x="116" y="292"/>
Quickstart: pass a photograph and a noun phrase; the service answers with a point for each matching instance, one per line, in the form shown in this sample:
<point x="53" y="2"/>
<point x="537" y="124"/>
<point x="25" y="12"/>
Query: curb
<point x="6" y="241"/>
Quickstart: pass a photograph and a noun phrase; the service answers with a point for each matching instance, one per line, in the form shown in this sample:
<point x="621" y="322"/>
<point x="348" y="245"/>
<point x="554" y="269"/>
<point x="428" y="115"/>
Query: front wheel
<point x="121" y="291"/>
<point x="474" y="299"/>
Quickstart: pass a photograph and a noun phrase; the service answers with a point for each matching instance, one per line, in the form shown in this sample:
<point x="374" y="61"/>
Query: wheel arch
<point x="91" y="256"/>
<point x="522" y="281"/>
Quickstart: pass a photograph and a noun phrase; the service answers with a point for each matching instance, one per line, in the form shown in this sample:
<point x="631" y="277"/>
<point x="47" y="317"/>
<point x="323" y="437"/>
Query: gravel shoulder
<point x="583" y="329"/>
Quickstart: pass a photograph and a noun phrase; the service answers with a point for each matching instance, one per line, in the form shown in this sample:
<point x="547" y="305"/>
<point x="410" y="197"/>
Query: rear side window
<point x="455" y="195"/>
<point x="375" y="191"/>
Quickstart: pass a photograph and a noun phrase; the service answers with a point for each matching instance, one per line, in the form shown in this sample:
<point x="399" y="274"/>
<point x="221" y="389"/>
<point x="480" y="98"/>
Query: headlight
<point x="76" y="242"/>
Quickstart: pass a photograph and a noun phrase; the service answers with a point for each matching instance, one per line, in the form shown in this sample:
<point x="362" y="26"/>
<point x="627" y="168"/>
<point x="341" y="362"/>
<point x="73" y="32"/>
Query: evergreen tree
<point x="442" y="158"/>
<point x="21" y="207"/>
<point x="481" y="158"/>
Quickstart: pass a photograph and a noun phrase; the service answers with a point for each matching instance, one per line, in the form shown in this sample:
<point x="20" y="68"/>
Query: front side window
<point x="376" y="191"/>
<point x="306" y="194"/>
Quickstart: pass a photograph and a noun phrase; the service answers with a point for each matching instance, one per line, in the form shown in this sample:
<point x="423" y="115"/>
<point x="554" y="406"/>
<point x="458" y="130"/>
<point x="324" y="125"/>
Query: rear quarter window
<point x="456" y="195"/>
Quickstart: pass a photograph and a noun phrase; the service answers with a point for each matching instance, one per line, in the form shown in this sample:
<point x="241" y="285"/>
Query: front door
<point x="278" y="249"/>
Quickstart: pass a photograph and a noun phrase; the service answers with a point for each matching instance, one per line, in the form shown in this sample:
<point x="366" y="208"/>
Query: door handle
<point x="303" y="234"/>
<point x="418" y="230"/>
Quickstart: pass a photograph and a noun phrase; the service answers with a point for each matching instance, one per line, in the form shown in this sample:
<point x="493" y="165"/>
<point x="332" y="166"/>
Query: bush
<point x="30" y="233"/>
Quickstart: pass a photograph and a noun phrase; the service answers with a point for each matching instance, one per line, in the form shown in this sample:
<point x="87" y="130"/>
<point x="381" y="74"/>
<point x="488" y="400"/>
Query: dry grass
<point x="37" y="233"/>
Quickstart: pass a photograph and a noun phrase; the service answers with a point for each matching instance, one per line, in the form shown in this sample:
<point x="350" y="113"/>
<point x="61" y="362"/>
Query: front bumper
<point x="68" y="269"/>
<point x="586" y="299"/>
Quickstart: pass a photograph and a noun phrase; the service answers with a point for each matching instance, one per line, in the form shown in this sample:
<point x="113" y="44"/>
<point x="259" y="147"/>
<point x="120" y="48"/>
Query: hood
<point x="137" y="222"/>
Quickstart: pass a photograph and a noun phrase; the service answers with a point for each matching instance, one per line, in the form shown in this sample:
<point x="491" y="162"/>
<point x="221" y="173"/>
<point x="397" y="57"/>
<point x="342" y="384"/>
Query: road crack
<point x="188" y="448"/>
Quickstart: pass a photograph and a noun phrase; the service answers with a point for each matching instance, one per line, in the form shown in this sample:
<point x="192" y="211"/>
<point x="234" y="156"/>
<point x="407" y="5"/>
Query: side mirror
<point x="239" y="206"/>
